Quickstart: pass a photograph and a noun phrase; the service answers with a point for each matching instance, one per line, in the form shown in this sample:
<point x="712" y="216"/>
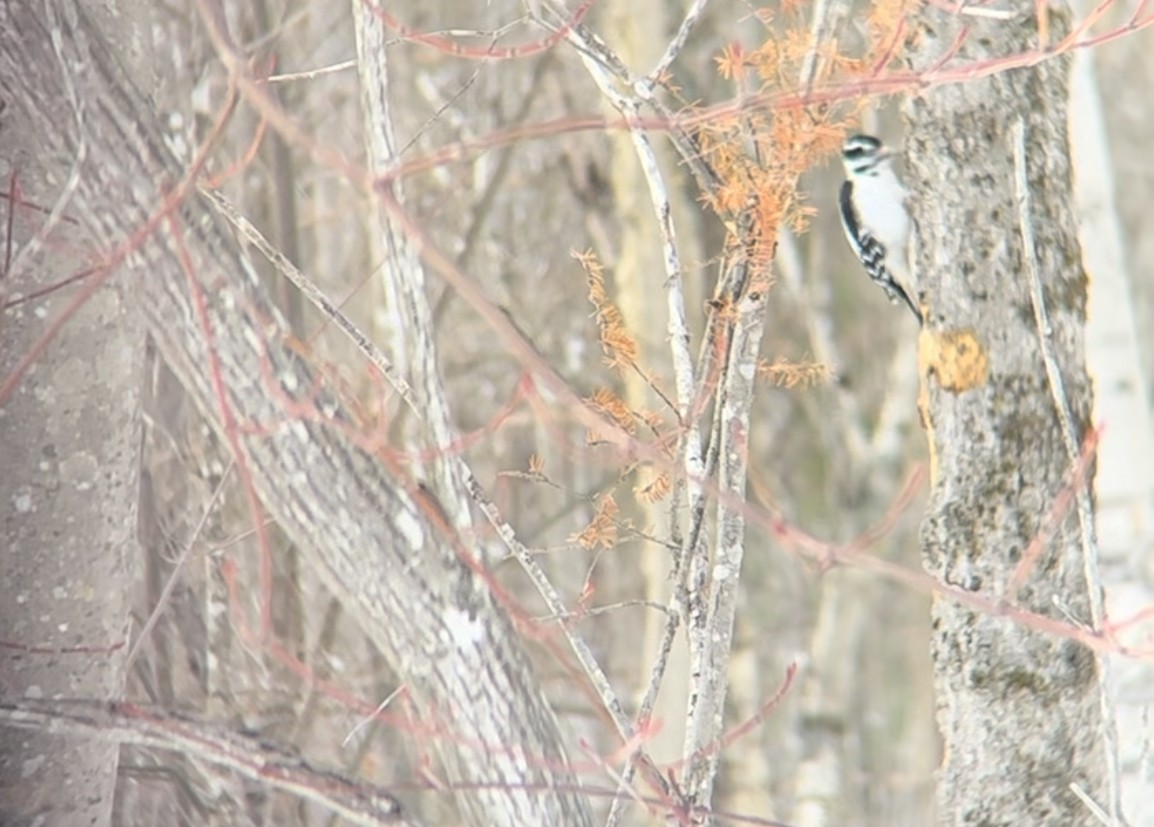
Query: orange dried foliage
<point x="608" y="403"/>
<point x="731" y="61"/>
<point x="799" y="218"/>
<point x="795" y="44"/>
<point x="655" y="489"/>
<point x="764" y="184"/>
<point x="602" y="529"/>
<point x="653" y="419"/>
<point x="885" y="18"/>
<point x="620" y="348"/>
<point x="766" y="60"/>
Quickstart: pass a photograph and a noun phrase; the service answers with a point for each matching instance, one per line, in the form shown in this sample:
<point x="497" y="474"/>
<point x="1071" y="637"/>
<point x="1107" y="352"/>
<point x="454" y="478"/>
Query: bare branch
<point x="351" y="798"/>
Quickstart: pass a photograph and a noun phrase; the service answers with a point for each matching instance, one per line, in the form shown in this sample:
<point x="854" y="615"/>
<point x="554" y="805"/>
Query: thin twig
<point x="181" y="561"/>
<point x="354" y="799"/>
<point x="827" y="17"/>
<point x="688" y="24"/>
<point x="314" y="294"/>
<point x="36" y="243"/>
<point x="1093" y="806"/>
<point x="313" y="73"/>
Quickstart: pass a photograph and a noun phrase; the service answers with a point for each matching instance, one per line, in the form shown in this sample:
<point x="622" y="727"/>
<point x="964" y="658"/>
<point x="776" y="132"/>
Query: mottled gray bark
<point x="69" y="456"/>
<point x="376" y="540"/>
<point x="1018" y="708"/>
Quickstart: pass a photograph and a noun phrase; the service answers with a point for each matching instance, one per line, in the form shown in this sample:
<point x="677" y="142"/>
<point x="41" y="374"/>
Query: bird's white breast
<point x="881" y="203"/>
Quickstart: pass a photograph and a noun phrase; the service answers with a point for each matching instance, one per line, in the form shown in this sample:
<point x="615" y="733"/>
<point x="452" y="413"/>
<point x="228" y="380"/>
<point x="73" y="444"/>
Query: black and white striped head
<point x="863" y="155"/>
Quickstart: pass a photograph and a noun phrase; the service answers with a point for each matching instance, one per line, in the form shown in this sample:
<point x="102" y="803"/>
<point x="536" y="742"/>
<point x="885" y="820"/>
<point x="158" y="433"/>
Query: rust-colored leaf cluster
<point x="731" y="61"/>
<point x="653" y="487"/>
<point x="602" y="529"/>
<point x="608" y="403"/>
<point x="619" y="346"/>
<point x="763" y="185"/>
<point x="887" y="30"/>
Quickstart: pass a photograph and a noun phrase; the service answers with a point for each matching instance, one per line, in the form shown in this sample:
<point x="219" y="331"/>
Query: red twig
<point x="491" y="52"/>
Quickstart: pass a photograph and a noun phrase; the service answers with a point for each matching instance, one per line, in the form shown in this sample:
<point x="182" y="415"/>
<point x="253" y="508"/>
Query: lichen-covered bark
<point x="1018" y="709"/>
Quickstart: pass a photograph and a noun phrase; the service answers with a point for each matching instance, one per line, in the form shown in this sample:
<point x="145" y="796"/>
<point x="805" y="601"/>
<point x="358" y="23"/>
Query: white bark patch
<point x="410" y="528"/>
<point x="22" y="501"/>
<point x="463" y="630"/>
<point x="80" y="470"/>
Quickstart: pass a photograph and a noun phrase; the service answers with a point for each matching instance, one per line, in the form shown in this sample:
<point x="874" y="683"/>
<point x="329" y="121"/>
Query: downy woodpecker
<point x="874" y="216"/>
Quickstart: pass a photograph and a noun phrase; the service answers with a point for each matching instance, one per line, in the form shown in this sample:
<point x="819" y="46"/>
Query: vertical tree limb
<point x="1019" y="711"/>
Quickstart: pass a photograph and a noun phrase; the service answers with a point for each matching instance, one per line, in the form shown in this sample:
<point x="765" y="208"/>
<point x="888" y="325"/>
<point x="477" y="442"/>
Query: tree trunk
<point x="1019" y="708"/>
<point x="70" y="433"/>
